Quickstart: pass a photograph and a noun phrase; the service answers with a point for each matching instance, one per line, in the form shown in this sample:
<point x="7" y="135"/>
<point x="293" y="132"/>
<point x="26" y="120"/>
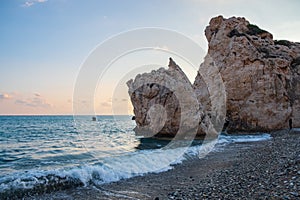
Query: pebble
<point x="266" y="173"/>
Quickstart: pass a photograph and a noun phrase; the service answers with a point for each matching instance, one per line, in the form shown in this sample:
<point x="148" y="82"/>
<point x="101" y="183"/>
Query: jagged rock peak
<point x="172" y="64"/>
<point x="234" y="26"/>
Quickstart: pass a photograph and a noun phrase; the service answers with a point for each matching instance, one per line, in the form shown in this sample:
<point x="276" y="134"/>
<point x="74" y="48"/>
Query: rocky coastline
<point x="253" y="170"/>
<point x="261" y="78"/>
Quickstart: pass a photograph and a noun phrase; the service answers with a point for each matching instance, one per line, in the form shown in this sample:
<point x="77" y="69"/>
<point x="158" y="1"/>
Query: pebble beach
<point x="247" y="170"/>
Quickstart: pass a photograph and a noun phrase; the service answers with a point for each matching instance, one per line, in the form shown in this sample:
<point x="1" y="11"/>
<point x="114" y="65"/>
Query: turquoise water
<point x="44" y="153"/>
<point x="44" y="142"/>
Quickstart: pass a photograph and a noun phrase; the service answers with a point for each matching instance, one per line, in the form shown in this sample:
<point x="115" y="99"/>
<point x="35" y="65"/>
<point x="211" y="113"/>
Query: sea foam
<point x="115" y="168"/>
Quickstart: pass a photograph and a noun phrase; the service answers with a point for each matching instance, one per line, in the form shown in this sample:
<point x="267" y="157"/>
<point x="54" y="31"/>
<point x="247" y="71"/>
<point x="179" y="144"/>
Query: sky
<point x="45" y="43"/>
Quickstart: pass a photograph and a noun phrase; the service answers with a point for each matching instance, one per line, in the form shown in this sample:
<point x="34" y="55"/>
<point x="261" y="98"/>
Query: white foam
<point x="126" y="166"/>
<point x="243" y="138"/>
<point x="113" y="169"/>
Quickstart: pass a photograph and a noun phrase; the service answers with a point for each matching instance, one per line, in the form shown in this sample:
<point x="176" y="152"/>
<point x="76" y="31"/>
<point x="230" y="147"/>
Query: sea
<point x="46" y="153"/>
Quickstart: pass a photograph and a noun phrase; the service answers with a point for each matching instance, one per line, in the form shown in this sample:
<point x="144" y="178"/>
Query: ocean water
<point x="46" y="153"/>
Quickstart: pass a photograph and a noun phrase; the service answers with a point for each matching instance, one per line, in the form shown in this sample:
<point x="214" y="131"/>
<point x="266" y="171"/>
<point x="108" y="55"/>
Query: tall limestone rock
<point x="261" y="78"/>
<point x="261" y="75"/>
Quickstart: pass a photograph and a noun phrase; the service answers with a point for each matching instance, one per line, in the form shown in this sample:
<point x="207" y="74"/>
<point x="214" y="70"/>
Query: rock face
<point x="165" y="103"/>
<point x="145" y="92"/>
<point x="261" y="78"/>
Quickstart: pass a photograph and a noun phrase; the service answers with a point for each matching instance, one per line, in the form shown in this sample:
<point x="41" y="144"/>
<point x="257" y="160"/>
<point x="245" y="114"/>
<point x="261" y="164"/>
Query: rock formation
<point x="165" y="103"/>
<point x="261" y="78"/>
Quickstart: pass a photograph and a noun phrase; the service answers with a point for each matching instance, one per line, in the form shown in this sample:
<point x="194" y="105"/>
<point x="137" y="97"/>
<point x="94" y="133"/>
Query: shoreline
<point x="248" y="170"/>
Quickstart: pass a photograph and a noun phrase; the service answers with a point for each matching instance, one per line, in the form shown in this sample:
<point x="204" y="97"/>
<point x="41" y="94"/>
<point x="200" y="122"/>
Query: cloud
<point x="106" y="104"/>
<point x="216" y="2"/>
<point x="32" y="2"/>
<point x="4" y="96"/>
<point x="18" y="101"/>
<point x="37" y="94"/>
<point x="37" y="102"/>
<point x="27" y="4"/>
<point x="163" y="47"/>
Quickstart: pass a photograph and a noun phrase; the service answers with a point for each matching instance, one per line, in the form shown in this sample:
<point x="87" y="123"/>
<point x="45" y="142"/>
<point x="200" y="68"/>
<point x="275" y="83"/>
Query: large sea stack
<point x="261" y="78"/>
<point x="261" y="75"/>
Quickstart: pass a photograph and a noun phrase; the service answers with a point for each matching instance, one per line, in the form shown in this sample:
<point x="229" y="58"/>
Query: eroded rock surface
<point x="164" y="101"/>
<point x="261" y="75"/>
<point x="261" y="78"/>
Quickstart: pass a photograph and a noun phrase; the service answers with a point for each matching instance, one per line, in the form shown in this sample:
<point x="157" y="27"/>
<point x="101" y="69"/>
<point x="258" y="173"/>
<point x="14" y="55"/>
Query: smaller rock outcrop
<point x="165" y="103"/>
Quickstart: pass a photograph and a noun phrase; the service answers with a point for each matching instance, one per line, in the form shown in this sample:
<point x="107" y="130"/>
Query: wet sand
<point x="253" y="170"/>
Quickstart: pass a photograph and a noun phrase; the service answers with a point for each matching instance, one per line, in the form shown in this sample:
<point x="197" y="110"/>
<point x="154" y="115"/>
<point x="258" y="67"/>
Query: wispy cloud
<point x="106" y="104"/>
<point x="27" y="4"/>
<point x="4" y="96"/>
<point x="164" y="48"/>
<point x="36" y="101"/>
<point x="215" y="2"/>
<point x="37" y="94"/>
<point x="32" y="2"/>
<point x="19" y="101"/>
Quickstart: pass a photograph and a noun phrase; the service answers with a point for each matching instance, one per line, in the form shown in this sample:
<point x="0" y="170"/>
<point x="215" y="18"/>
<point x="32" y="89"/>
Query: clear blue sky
<point x="43" y="43"/>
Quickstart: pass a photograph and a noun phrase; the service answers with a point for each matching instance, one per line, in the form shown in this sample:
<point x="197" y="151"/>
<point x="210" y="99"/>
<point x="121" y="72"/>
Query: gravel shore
<point x="253" y="170"/>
